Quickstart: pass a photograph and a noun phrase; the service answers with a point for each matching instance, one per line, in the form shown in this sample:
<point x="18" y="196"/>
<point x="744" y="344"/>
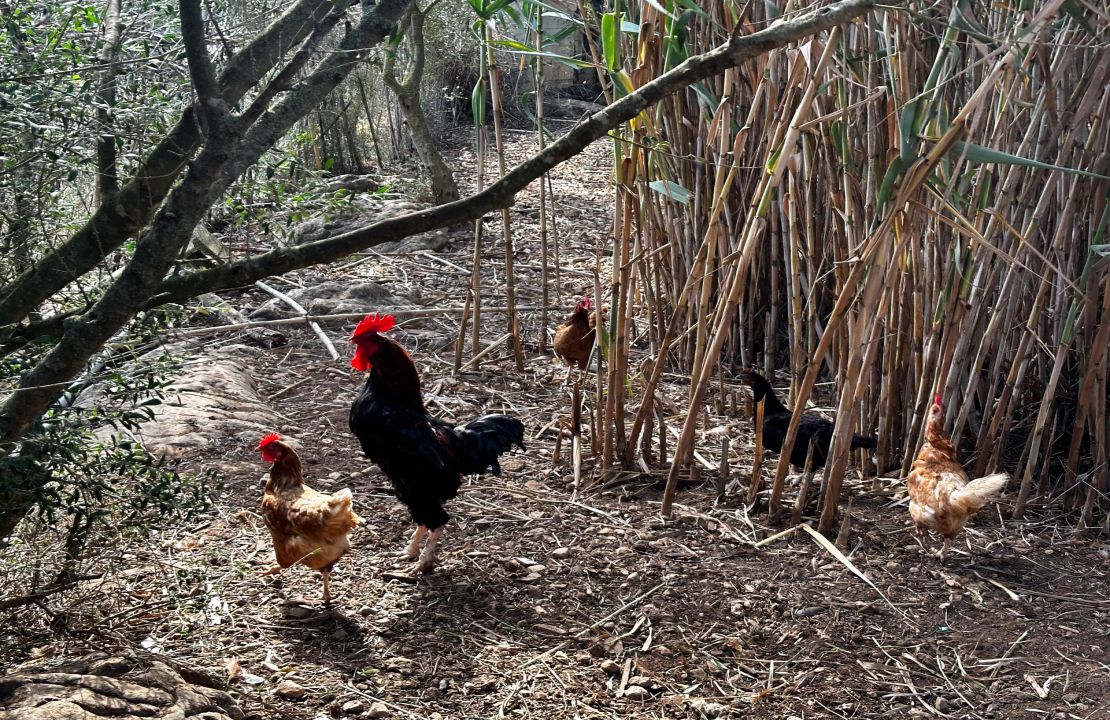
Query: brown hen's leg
<point x="921" y="533"/>
<point x="413" y="550"/>
<point x="325" y="574"/>
<point x="944" y="550"/>
<point x="428" y="557"/>
<point x="272" y="571"/>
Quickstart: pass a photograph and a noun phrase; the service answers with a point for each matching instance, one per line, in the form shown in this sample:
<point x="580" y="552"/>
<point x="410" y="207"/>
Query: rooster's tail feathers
<point x="485" y="439"/>
<point x="976" y="493"/>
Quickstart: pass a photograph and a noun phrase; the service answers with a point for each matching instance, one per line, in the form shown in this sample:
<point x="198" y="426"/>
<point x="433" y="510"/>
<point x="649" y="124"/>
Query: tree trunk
<point x="444" y="188"/>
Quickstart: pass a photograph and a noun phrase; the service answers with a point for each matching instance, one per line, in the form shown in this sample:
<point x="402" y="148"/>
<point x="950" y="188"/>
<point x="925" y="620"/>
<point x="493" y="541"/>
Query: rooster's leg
<point x="413" y="550"/>
<point x="428" y="557"/>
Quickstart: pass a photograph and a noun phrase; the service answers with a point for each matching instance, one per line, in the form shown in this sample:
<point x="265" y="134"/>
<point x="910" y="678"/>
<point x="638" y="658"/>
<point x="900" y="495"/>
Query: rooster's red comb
<point x="937" y="400"/>
<point x="268" y="439"/>
<point x="373" y="323"/>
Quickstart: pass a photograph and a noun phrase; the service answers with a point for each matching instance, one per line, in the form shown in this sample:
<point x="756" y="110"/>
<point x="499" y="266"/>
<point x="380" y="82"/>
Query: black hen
<point x="424" y="458"/>
<point x="776" y="421"/>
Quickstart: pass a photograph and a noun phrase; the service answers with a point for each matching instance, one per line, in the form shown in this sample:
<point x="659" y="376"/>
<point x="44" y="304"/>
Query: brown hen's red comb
<point x="268" y="439"/>
<point x="373" y="323"/>
<point x="937" y="400"/>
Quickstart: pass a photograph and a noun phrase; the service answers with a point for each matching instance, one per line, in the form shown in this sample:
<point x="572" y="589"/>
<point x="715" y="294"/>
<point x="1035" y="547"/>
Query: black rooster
<point x="424" y="458"/>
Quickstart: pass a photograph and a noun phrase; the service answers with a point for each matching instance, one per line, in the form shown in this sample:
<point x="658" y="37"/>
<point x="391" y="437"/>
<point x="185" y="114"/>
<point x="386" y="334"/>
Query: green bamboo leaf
<point x="908" y="130"/>
<point x="1101" y="250"/>
<point x="1071" y="7"/>
<point x="514" y="45"/>
<point x="478" y="103"/>
<point x="672" y="190"/>
<point x="897" y="167"/>
<point x="610" y="40"/>
<point x="562" y="16"/>
<point x="655" y="4"/>
<point x="564" y="59"/>
<point x="630" y="27"/>
<point x="694" y="8"/>
<point x="981" y="154"/>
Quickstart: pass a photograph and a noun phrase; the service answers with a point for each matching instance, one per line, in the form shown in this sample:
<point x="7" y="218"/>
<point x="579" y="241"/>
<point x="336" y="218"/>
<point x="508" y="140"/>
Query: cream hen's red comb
<point x="373" y="323"/>
<point x="268" y="439"/>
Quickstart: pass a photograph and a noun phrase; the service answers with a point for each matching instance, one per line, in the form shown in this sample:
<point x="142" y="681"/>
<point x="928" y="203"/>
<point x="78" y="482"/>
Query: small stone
<point x="560" y="553"/>
<point x="289" y="690"/>
<point x="641" y="681"/>
<point x="537" y="569"/>
<point x="352" y="707"/>
<point x="611" y="666"/>
<point x="378" y="710"/>
<point x="297" y="612"/>
<point x="713" y="710"/>
<point x="637" y="693"/>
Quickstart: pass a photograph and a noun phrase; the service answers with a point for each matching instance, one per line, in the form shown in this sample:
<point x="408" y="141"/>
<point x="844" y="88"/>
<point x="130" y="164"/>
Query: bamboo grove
<point x="912" y="203"/>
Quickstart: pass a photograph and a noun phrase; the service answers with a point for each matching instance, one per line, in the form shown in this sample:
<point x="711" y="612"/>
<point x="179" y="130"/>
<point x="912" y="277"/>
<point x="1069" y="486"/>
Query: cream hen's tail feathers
<point x="340" y="502"/>
<point x="976" y="493"/>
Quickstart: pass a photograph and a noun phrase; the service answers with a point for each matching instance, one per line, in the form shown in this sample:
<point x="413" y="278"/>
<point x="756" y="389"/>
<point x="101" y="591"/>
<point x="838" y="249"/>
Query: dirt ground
<point x="549" y="605"/>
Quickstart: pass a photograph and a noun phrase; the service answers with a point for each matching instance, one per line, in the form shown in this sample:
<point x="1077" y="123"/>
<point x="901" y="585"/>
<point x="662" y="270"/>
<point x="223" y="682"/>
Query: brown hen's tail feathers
<point x="978" y="492"/>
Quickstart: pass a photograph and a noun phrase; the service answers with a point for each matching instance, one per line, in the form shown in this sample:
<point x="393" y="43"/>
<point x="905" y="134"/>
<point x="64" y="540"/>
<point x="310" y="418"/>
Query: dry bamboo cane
<point x="545" y="285"/>
<point x="1090" y="403"/>
<point x="727" y="308"/>
<point x="506" y="218"/>
<point x="803" y="488"/>
<point x="757" y="455"/>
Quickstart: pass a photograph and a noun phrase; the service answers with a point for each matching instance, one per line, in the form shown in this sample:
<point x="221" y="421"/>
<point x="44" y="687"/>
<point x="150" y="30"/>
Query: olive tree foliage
<point x="111" y="262"/>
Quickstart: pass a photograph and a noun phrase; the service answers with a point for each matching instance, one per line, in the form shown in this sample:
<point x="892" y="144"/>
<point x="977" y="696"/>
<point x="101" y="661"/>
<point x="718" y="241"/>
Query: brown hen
<point x="307" y="526"/>
<point x="574" y="338"/>
<point x="941" y="498"/>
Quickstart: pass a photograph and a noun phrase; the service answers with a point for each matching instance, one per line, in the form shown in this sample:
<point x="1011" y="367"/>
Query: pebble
<point x="611" y="666"/>
<point x="560" y="553"/>
<point x="378" y="710"/>
<point x="636" y="692"/>
<point x="709" y="709"/>
<point x="298" y="612"/>
<point x="289" y="690"/>
<point x="352" y="707"/>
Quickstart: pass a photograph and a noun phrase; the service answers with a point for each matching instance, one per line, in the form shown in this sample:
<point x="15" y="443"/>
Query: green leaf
<point x="694" y="8"/>
<point x="909" y="128"/>
<point x="897" y="167"/>
<point x="655" y="4"/>
<point x="672" y="190"/>
<point x="478" y="103"/>
<point x="1071" y="7"/>
<point x="610" y="40"/>
<point x="566" y="60"/>
<point x="630" y="27"/>
<point x="513" y="44"/>
<point x="981" y="154"/>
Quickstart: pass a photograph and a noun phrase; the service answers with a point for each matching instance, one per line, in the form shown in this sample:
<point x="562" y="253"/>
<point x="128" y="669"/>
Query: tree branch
<point x="223" y="157"/>
<point x="501" y="194"/>
<point x="131" y="209"/>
